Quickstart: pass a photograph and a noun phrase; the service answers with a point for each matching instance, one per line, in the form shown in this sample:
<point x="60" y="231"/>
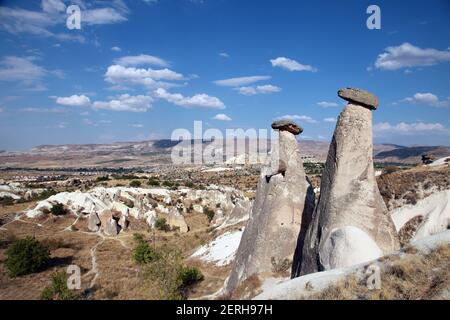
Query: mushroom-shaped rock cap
<point x="360" y="97"/>
<point x="287" y="125"/>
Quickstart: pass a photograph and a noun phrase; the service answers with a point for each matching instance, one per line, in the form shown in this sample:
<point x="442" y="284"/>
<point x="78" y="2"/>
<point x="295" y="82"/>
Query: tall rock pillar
<point x="284" y="200"/>
<point x="350" y="224"/>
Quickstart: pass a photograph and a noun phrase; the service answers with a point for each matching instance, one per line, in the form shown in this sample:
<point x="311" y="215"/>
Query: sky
<point x="137" y="70"/>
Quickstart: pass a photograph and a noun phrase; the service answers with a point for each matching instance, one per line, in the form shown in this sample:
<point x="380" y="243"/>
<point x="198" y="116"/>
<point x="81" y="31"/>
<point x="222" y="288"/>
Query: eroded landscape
<point x="89" y="216"/>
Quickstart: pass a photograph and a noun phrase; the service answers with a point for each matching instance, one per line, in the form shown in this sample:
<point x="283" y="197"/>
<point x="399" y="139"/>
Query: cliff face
<point x="283" y="206"/>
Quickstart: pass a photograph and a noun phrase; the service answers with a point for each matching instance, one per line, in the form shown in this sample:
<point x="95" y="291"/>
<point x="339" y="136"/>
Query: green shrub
<point x="58" y="290"/>
<point x="143" y="253"/>
<point x="58" y="209"/>
<point x="26" y="256"/>
<point x="209" y="213"/>
<point x="153" y="182"/>
<point x="168" y="184"/>
<point x="45" y="194"/>
<point x="161" y="224"/>
<point x="102" y="179"/>
<point x="7" y="201"/>
<point x="170" y="275"/>
<point x="135" y="184"/>
<point x="190" y="275"/>
<point x="189" y="184"/>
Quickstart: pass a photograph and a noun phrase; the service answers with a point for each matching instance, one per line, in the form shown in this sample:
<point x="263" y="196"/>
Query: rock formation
<point x="283" y="206"/>
<point x="93" y="222"/>
<point x="351" y="223"/>
<point x="176" y="220"/>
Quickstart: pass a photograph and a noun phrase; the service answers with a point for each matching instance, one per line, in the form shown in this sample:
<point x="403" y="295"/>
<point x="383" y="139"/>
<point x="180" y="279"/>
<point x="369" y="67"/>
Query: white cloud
<point x="1" y="109"/>
<point x="406" y="56"/>
<point x="224" y="55"/>
<point x="403" y="128"/>
<point x="21" y="69"/>
<point x="53" y="6"/>
<point x="291" y="65"/>
<point x="43" y="110"/>
<point x="264" y="89"/>
<point x="198" y="100"/>
<point x="241" y="81"/>
<point x="331" y="119"/>
<point x="120" y="75"/>
<point x="26" y="72"/>
<point x="116" y="49"/>
<point x="137" y="125"/>
<point x="222" y="117"/>
<point x="74" y="101"/>
<point x="326" y="104"/>
<point x="53" y="14"/>
<point x="298" y="117"/>
<point x="102" y="16"/>
<point x="125" y="102"/>
<point x="427" y="99"/>
<point x="142" y="59"/>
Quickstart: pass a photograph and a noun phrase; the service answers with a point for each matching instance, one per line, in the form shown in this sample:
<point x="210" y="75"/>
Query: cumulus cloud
<point x="291" y="65"/>
<point x="264" y="89"/>
<point x="428" y="99"/>
<point x="331" y="119"/>
<point x="198" y="100"/>
<point x="222" y="117"/>
<point x="403" y="128"/>
<point x="74" y="101"/>
<point x="116" y="49"/>
<point x="407" y="55"/>
<point x="125" y="102"/>
<point x="326" y="104"/>
<point x="297" y="117"/>
<point x="120" y="75"/>
<point x="240" y="81"/>
<point x="224" y="55"/>
<point x="142" y="59"/>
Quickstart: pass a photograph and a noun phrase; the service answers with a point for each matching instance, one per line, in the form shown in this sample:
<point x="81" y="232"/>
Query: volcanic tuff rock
<point x="359" y="97"/>
<point x="93" y="222"/>
<point x="287" y="125"/>
<point x="351" y="222"/>
<point x="283" y="206"/>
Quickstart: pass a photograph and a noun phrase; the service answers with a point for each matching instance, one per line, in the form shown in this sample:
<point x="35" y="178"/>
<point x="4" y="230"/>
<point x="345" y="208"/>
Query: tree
<point x="25" y="256"/>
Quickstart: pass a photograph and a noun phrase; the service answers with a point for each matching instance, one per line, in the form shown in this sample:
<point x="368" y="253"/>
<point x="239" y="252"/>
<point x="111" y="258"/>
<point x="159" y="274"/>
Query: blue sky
<point x="139" y="69"/>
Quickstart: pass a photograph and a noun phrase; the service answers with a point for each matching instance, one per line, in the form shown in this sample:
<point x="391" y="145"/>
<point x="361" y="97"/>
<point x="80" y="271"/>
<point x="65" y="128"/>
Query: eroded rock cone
<point x="93" y="222"/>
<point x="350" y="224"/>
<point x="283" y="206"/>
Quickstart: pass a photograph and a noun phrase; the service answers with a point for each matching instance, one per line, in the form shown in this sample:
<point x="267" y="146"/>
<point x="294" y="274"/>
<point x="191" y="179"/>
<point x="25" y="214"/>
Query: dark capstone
<point x="287" y="125"/>
<point x="360" y="97"/>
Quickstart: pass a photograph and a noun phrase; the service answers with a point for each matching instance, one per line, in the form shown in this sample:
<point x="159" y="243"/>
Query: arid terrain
<point x="213" y="203"/>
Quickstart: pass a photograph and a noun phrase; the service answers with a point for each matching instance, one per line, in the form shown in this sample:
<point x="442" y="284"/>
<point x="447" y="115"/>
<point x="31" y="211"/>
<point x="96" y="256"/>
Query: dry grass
<point x="414" y="277"/>
<point x="249" y="288"/>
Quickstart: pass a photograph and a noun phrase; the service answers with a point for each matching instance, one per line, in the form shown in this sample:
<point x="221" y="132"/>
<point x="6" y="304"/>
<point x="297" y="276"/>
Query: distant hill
<point x="411" y="154"/>
<point x="157" y="152"/>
